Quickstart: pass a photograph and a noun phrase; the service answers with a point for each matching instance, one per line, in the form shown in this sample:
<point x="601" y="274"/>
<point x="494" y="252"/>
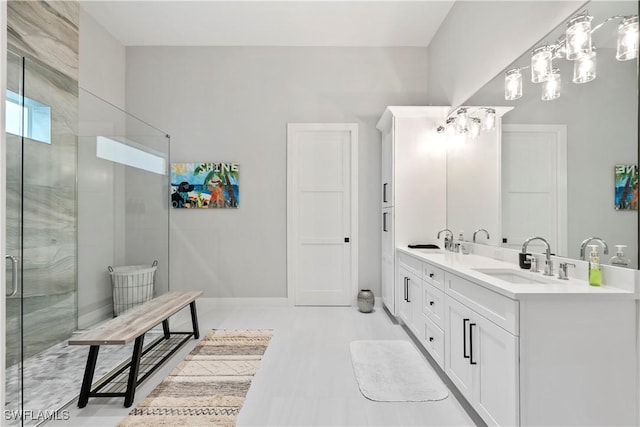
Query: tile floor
<point x="306" y="377"/>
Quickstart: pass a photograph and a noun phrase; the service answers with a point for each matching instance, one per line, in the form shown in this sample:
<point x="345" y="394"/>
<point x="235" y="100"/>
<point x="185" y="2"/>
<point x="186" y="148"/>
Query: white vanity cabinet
<point x="557" y="354"/>
<point x="412" y="188"/>
<point x="482" y="361"/>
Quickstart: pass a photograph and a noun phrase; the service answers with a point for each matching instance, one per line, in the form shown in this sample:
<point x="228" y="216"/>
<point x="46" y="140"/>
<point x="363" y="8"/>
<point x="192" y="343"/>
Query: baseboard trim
<point x="244" y="302"/>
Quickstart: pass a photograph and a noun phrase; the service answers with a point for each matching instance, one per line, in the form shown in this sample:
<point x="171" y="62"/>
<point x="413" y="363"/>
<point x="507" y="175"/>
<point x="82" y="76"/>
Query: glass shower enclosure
<point x="87" y="187"/>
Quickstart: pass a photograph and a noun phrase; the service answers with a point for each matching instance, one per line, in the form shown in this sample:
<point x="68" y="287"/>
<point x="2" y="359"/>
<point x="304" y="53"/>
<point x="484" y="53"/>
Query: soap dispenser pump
<point x="619" y="260"/>
<point x="595" y="274"/>
<point x="464" y="247"/>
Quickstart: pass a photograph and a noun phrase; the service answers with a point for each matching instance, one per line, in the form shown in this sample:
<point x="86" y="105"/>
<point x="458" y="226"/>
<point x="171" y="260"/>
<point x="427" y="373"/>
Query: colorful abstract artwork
<point x="626" y="196"/>
<point x="205" y="185"/>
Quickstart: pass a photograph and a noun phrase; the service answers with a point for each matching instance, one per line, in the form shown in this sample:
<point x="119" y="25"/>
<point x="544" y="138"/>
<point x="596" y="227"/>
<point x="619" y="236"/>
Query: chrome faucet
<point x="548" y="265"/>
<point x="479" y="230"/>
<point x="586" y="241"/>
<point x="448" y="239"/>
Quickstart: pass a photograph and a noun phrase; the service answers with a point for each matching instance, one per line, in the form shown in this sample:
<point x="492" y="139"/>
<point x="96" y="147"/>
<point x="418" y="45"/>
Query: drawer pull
<point x="471" y="361"/>
<point x="464" y="338"/>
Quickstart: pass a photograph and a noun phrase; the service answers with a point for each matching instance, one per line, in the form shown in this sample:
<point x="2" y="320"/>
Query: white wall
<point x="102" y="62"/>
<point x="100" y="183"/>
<point x="233" y="104"/>
<point x="480" y="38"/>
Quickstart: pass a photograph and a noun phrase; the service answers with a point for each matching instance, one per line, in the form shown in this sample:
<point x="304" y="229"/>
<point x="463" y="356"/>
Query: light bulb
<point x="541" y="64"/>
<point x="584" y="68"/>
<point x="512" y="84"/>
<point x="627" y="47"/>
<point x="489" y="122"/>
<point x="551" y="88"/>
<point x="578" y="36"/>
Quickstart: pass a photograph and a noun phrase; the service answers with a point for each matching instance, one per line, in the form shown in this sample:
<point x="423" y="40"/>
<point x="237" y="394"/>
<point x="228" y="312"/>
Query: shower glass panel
<point x="123" y="202"/>
<point x="13" y="321"/>
<point x="87" y="188"/>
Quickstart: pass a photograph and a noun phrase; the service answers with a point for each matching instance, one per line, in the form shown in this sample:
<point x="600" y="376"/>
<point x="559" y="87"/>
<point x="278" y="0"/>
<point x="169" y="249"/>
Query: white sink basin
<point x="513" y="276"/>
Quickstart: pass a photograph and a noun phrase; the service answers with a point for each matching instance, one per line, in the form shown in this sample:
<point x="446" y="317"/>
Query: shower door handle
<point x="14" y="274"/>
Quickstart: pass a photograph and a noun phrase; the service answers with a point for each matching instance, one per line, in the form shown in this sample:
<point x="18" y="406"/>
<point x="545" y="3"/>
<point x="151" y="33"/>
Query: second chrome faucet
<point x="548" y="266"/>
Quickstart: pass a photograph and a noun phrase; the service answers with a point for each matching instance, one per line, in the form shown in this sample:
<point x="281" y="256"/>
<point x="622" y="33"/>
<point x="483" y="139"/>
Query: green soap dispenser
<point x="595" y="274"/>
<point x="619" y="260"/>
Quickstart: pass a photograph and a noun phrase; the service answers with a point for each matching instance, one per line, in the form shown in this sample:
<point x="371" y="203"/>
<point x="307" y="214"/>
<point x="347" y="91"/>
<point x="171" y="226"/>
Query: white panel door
<point x="534" y="186"/>
<point x="321" y="204"/>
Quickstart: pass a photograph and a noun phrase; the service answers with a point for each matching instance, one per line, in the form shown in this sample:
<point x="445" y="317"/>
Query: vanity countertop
<point x="464" y="266"/>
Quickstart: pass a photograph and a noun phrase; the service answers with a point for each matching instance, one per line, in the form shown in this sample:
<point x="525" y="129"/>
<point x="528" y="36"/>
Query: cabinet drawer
<point x="433" y="341"/>
<point x="412" y="264"/>
<point x="433" y="304"/>
<point x="433" y="275"/>
<point x="499" y="309"/>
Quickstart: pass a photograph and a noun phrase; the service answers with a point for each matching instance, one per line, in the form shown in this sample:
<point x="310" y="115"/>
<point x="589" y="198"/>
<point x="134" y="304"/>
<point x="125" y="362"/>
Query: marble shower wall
<point x="46" y="34"/>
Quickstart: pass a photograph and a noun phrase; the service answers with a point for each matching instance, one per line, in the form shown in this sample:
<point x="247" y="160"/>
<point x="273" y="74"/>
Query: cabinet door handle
<point x="464" y="338"/>
<point x="384" y="192"/>
<point x="384" y="221"/>
<point x="405" y="287"/>
<point x="431" y="275"/>
<point x="431" y="303"/>
<point x="430" y="339"/>
<point x="471" y="361"/>
<point x="408" y="290"/>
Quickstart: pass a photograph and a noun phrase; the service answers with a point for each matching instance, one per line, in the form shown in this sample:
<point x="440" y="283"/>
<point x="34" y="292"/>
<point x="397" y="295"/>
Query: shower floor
<point x="53" y="377"/>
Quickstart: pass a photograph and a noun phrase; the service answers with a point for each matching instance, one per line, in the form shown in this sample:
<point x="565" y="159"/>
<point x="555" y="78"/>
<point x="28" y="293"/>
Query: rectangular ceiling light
<point x="114" y="151"/>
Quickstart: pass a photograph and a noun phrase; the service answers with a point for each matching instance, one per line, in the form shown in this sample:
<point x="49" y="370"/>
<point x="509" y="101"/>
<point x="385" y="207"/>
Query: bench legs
<point x="134" y="366"/>
<point x="88" y="376"/>
<point x="133" y="371"/>
<point x="194" y="320"/>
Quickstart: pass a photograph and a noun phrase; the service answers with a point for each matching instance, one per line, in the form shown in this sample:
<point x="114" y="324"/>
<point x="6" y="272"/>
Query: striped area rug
<point x="209" y="386"/>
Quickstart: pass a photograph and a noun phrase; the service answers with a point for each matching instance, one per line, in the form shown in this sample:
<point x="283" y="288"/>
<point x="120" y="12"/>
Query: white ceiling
<point x="270" y="23"/>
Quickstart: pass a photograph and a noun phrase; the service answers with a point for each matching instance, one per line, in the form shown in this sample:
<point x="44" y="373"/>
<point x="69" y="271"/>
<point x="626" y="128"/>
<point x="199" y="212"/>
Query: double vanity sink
<point x="509" y="280"/>
<point x="523" y="348"/>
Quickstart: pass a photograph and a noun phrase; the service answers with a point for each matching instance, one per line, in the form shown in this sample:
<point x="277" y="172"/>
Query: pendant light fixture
<point x="584" y="68"/>
<point x="551" y="88"/>
<point x="462" y="120"/>
<point x="474" y="127"/>
<point x="541" y="64"/>
<point x="627" y="46"/>
<point x="578" y="36"/>
<point x="513" y="84"/>
<point x="489" y="122"/>
<point x="576" y="45"/>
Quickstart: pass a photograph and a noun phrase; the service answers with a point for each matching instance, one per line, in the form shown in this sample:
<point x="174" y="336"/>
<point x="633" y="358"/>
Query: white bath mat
<point x="394" y="371"/>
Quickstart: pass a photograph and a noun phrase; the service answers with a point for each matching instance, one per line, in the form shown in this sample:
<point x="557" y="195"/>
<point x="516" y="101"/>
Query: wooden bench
<point x="129" y="326"/>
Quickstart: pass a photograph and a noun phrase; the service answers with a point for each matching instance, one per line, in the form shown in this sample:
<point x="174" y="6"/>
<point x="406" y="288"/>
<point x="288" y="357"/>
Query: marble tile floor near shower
<point x="305" y="378"/>
<point x="53" y="377"/>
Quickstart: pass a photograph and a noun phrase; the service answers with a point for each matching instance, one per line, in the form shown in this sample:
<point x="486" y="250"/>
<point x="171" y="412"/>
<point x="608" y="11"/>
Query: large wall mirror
<point x="556" y="166"/>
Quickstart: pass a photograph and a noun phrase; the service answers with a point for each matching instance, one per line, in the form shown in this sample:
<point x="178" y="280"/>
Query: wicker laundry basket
<point x="132" y="285"/>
